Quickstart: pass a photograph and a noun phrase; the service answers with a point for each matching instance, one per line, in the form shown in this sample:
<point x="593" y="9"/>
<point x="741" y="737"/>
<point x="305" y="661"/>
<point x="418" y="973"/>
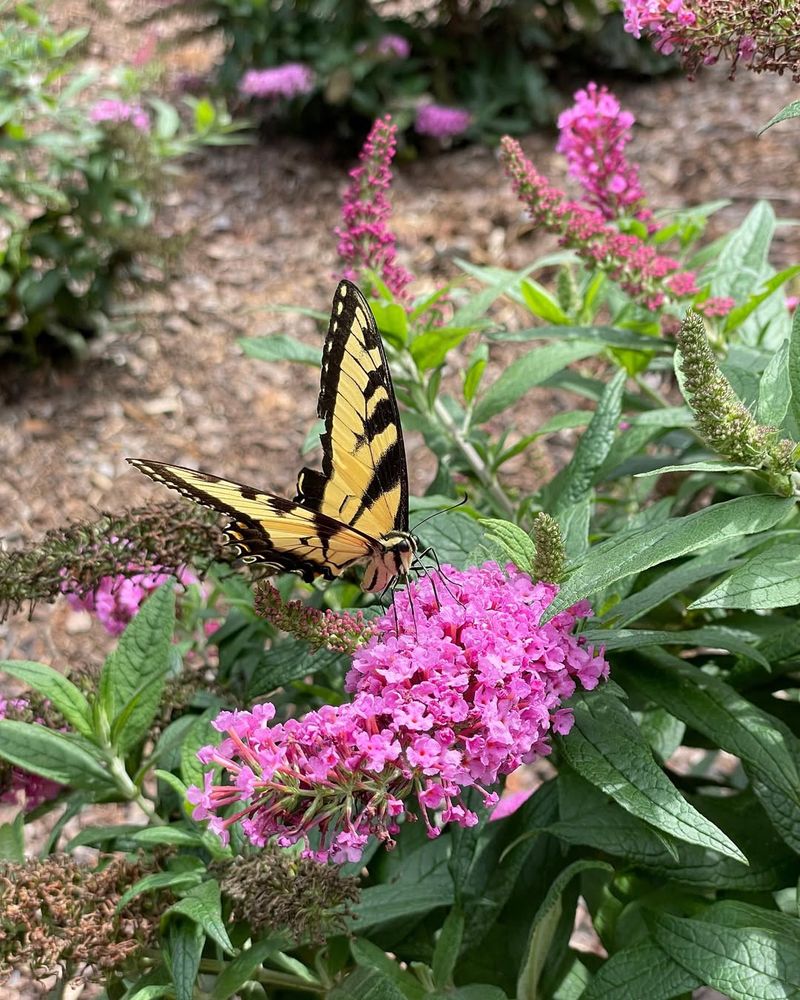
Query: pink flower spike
<point x="442" y="122"/>
<point x="286" y="81"/>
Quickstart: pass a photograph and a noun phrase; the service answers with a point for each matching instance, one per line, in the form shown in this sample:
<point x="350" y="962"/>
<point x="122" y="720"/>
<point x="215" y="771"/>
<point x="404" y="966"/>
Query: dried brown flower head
<point x="58" y="917"/>
<point x="277" y="891"/>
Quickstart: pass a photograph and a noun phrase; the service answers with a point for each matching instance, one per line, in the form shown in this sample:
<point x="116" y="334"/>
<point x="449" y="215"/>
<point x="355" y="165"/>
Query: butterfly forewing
<point x="363" y="481"/>
<point x="268" y="528"/>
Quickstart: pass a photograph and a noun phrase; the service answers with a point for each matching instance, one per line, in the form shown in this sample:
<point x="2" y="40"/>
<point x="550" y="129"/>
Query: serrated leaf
<point x="632" y="553"/>
<point x="791" y="110"/>
<point x="607" y="749"/>
<point x="137" y="668"/>
<point x="752" y="963"/>
<point x="366" y="984"/>
<point x="775" y="389"/>
<point x="516" y="543"/>
<point x="453" y="535"/>
<point x="186" y="940"/>
<point x="769" y="751"/>
<point x="281" y="347"/>
<point x="574" y="483"/>
<point x="769" y="579"/>
<point x="70" y="701"/>
<point x="530" y="370"/>
<point x="369" y="956"/>
<point x="380" y="903"/>
<point x="641" y="971"/>
<point x="543" y="928"/>
<point x="240" y="971"/>
<point x="290" y="660"/>
<point x="203" y="905"/>
<point x="57" y="756"/>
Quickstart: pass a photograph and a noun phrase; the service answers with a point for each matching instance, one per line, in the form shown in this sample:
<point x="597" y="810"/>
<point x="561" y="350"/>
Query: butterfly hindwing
<point x="364" y="480"/>
<point x="266" y="528"/>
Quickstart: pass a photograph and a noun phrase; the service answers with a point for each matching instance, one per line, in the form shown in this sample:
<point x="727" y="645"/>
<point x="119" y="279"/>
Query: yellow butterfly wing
<point x="364" y="479"/>
<point x="266" y="528"/>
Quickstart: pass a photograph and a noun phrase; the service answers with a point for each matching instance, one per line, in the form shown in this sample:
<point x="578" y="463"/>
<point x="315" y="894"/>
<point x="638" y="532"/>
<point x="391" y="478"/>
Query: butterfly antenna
<point x="444" y="510"/>
<point x="443" y="576"/>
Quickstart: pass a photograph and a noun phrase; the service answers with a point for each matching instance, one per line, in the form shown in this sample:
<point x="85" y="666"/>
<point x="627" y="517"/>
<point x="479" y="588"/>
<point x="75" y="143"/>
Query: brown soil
<point x="171" y="383"/>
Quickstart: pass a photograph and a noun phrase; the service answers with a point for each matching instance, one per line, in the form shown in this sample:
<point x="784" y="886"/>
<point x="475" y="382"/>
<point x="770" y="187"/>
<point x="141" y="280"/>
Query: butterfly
<point x="355" y="510"/>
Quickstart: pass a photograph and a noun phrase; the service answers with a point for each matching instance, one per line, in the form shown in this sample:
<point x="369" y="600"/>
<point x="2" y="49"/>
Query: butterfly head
<point x="392" y="560"/>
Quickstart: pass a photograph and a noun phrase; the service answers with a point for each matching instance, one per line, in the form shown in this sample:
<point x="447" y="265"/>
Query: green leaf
<point x="366" y="984"/>
<point x="632" y="553"/>
<point x="58" y="756"/>
<point x="203" y="905"/>
<point x="186" y="940"/>
<point x="159" y="880"/>
<point x="452" y="534"/>
<point x="574" y="483"/>
<point x="369" y="956"/>
<point x="794" y="367"/>
<point x="541" y="303"/>
<point x="528" y="371"/>
<point x="68" y="699"/>
<point x="767" y="288"/>
<point x="769" y="579"/>
<point x="380" y="903"/>
<point x="136" y="670"/>
<point x="12" y="839"/>
<point x="740" y="266"/>
<point x="204" y="115"/>
<point x="544" y="926"/>
<point x="200" y="734"/>
<point x="607" y="749"/>
<point x="695" y="467"/>
<point x="286" y="661"/>
<point x="767" y="748"/>
<point x="515" y="542"/>
<point x="448" y="946"/>
<point x="641" y="971"/>
<point x="430" y="348"/>
<point x="734" y="640"/>
<point x="474" y="373"/>
<point x="241" y="969"/>
<point x="280" y="347"/>
<point x="775" y="389"/>
<point x="744" y="963"/>
<point x="177" y="836"/>
<point x="790" y="111"/>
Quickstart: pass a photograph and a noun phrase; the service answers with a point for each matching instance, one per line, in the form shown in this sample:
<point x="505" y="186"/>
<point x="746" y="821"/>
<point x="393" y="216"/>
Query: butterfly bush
<point x="762" y="35"/>
<point x="442" y="122"/>
<point x="116" y="112"/>
<point x="16" y="784"/>
<point x="117" y="599"/>
<point x="365" y="239"/>
<point x="289" y="80"/>
<point x="593" y="135"/>
<point x="462" y="683"/>
<point x="640" y="270"/>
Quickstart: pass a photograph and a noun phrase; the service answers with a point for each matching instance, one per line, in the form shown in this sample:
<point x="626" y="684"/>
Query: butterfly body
<point x="355" y="509"/>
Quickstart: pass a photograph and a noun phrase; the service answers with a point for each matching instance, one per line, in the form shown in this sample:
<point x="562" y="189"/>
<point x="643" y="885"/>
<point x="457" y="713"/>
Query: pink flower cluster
<point x="365" y="240"/>
<point x="32" y="788"/>
<point x="442" y="122"/>
<point x="642" y="272"/>
<point x="393" y="47"/>
<point x="462" y="684"/>
<point x="117" y="112"/>
<point x="665" y="20"/>
<point x="289" y="80"/>
<point x="594" y="134"/>
<point x="117" y="599"/>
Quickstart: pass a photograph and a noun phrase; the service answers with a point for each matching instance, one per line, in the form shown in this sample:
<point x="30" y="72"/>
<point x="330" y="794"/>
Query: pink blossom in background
<point x="393" y="47"/>
<point x="117" y="112"/>
<point x="288" y="80"/>
<point x="450" y="695"/>
<point x="665" y="20"/>
<point x="792" y="302"/>
<point x="16" y="783"/>
<point x="442" y="122"/>
<point x="639" y="269"/>
<point x="147" y="50"/>
<point x="365" y="239"/>
<point x="117" y="599"/>
<point x="593" y="135"/>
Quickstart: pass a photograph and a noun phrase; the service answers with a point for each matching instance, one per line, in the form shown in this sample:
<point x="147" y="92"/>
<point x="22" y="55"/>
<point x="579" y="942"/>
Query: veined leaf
<point x="775" y="388"/>
<point x="69" y="700"/>
<point x="280" y="347"/>
<point x="769" y="579"/>
<point x="61" y="757"/>
<point x="641" y="971"/>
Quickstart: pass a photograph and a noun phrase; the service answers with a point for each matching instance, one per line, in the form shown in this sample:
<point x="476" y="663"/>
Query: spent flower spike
<point x="365" y="240"/>
<point x="462" y="684"/>
<point x="593" y="135"/>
